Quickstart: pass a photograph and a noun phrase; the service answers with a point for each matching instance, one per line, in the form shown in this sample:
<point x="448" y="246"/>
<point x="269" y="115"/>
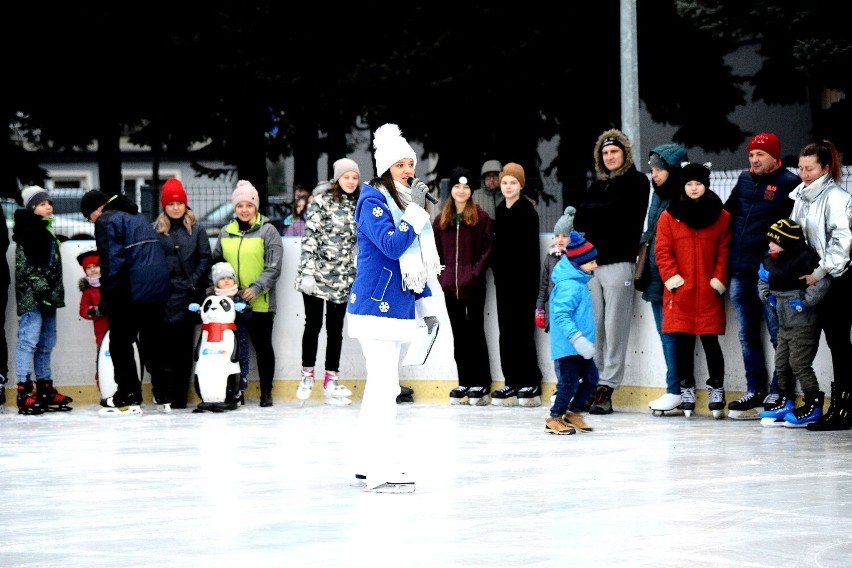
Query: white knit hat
<point x="344" y="165"/>
<point x="391" y="147"/>
<point x="221" y="270"/>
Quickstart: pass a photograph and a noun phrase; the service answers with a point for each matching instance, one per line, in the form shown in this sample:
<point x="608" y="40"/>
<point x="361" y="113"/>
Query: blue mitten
<point x="772" y="301"/>
<point x="798" y="305"/>
<point x="762" y="273"/>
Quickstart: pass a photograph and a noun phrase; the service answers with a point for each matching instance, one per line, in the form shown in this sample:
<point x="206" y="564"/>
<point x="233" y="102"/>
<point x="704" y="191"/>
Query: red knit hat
<point x="767" y="142"/>
<point x="172" y="191"/>
<point x="88" y="257"/>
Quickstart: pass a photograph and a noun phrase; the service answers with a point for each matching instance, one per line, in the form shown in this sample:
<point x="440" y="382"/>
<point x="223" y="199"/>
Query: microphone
<point x="429" y="196"/>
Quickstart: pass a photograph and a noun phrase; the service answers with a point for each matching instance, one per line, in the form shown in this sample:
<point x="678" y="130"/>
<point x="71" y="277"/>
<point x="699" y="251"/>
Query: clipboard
<point x="420" y="346"/>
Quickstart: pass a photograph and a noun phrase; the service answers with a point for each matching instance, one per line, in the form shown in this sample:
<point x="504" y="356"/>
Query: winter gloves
<point x="431" y="322"/>
<point x="308" y="285"/>
<point x="539" y="318"/>
<point x="418" y="192"/>
<point x="584" y="347"/>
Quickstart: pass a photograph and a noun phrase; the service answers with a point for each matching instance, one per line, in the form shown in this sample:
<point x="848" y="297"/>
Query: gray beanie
<point x="344" y="165"/>
<point x="33" y="195"/>
<point x="491" y="166"/>
<point x="222" y="270"/>
<point x="565" y="224"/>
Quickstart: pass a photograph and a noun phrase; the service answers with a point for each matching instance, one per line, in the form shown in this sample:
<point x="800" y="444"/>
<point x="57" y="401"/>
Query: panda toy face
<point x="218" y="309"/>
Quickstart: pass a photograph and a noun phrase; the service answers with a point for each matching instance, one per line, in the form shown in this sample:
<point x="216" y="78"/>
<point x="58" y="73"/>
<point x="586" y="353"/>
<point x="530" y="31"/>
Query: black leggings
<point x="685" y="345"/>
<point x="334" y="314"/>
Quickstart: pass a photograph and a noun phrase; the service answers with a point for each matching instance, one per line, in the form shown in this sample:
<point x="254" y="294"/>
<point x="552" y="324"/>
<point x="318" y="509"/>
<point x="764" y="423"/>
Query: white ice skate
<point x="401" y="484"/>
<point x="129" y="410"/>
<point x="687" y="403"/>
<point x="303" y="391"/>
<point x="337" y="400"/>
<point x="335" y="394"/>
<point x="667" y="403"/>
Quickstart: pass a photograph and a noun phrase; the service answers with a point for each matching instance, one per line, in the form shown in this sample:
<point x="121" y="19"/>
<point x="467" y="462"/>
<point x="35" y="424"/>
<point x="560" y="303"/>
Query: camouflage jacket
<point x="329" y="247"/>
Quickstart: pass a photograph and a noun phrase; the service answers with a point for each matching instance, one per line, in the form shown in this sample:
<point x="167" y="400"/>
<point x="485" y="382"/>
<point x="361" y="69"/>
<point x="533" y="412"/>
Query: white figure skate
<point x="401" y="484"/>
<point x="303" y="391"/>
<point x="667" y="403"/>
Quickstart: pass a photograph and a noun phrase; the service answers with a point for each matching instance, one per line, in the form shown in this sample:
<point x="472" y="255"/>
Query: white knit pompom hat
<point x="391" y="147"/>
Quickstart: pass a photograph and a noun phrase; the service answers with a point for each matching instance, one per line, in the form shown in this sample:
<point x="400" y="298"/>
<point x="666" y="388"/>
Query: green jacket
<point x="256" y="257"/>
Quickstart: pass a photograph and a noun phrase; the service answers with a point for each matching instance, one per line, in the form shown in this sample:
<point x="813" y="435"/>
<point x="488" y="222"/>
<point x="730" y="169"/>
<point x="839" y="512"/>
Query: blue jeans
<point x="750" y="312"/>
<point x="36" y="340"/>
<point x="576" y="379"/>
<point x="669" y="350"/>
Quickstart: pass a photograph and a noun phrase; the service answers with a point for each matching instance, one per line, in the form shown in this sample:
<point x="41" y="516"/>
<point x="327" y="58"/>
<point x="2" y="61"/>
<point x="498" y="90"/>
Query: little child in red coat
<point x="90" y="285"/>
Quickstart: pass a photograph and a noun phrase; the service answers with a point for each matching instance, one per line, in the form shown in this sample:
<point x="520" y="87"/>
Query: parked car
<point x="219" y="216"/>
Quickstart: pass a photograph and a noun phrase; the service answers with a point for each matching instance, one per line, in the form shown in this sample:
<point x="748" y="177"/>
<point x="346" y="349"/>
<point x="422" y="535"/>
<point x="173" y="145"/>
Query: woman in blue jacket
<point x="396" y="256"/>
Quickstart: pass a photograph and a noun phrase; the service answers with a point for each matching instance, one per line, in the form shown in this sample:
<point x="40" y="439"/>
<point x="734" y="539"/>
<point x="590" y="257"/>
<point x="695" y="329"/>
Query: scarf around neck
<point x="420" y="261"/>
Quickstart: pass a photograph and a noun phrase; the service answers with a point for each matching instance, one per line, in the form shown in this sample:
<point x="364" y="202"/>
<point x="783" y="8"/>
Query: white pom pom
<point x="386" y="133"/>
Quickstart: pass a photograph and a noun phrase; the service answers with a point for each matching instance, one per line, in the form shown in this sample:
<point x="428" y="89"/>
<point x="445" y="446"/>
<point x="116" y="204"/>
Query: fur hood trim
<point x="600" y="170"/>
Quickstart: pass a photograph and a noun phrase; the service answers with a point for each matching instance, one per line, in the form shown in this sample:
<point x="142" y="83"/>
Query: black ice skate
<point x="747" y="407"/>
<point x="50" y="398"/>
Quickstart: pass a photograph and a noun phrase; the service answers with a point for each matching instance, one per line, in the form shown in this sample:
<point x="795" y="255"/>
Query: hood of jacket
<point x="600" y="169"/>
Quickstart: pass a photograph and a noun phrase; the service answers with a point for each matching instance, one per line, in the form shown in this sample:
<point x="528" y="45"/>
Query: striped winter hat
<point x="580" y="251"/>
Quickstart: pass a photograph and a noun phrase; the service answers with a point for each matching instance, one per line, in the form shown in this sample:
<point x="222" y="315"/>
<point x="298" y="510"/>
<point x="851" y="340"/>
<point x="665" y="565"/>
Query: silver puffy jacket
<point x="824" y="211"/>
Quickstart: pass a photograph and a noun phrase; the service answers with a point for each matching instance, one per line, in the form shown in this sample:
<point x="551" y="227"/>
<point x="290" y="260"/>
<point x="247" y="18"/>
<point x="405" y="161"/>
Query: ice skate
<point x="400" y="484"/>
<point x="774" y="416"/>
<point x="810" y="411"/>
<point x="716" y="402"/>
<point x="306" y="386"/>
<point x="333" y="392"/>
<point x="163" y="407"/>
<point x="360" y="481"/>
<point x="406" y="395"/>
<point x="506" y="396"/>
<point x="747" y="407"/>
<point x="478" y="396"/>
<point x="337" y="401"/>
<point x="458" y="395"/>
<point x="687" y="404"/>
<point x="28" y="400"/>
<point x="50" y="398"/>
<point x="667" y="403"/>
<point x="120" y="407"/>
<point x="529" y="396"/>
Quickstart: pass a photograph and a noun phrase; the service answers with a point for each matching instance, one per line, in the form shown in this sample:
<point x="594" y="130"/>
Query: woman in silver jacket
<point x="824" y="211"/>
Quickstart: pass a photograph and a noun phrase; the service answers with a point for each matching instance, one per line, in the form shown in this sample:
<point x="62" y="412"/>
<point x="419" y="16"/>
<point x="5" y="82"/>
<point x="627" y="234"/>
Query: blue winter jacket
<point x="571" y="309"/>
<point x="754" y="204"/>
<point x="133" y="265"/>
<point x="379" y="307"/>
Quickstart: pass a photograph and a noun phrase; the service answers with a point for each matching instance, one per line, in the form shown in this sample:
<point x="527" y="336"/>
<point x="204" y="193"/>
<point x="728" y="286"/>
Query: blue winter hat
<point x="580" y="251"/>
<point x="667" y="157"/>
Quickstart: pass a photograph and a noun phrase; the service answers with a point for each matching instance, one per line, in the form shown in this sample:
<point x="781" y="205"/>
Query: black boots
<point x="838" y="415"/>
<point x="266" y="396"/>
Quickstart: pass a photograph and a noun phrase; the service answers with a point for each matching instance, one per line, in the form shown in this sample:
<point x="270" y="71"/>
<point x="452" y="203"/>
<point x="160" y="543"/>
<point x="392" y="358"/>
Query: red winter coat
<point x="697" y="255"/>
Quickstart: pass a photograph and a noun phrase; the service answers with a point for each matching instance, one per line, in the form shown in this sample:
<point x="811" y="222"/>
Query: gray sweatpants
<point x="612" y="296"/>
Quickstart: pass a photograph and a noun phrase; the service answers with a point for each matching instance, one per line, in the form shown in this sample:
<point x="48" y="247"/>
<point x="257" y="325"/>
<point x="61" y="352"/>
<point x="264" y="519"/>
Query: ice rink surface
<point x="271" y="487"/>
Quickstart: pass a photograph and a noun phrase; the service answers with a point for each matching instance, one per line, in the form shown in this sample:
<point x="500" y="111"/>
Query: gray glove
<point x="309" y="284"/>
<point x="418" y="191"/>
<point x="583" y="346"/>
<point x="431" y="322"/>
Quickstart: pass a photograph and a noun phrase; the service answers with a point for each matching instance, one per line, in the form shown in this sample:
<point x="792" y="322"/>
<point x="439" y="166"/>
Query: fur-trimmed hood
<point x="600" y="169"/>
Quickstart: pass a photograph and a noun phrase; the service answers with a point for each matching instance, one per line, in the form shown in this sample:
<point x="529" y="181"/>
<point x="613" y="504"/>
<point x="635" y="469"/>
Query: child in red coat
<point x="90" y="285"/>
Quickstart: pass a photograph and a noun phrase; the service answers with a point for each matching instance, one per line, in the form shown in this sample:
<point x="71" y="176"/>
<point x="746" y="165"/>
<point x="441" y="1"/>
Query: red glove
<point x="539" y="318"/>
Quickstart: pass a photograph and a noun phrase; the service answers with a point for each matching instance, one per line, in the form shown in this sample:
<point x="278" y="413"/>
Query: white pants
<point x="377" y="448"/>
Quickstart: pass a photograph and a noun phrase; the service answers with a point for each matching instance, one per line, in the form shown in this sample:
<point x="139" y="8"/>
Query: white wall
<point x="74" y="355"/>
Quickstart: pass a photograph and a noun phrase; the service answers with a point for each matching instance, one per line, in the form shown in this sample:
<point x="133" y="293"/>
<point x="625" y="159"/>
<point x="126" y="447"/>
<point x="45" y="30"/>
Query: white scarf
<point x="420" y="260"/>
<point x="230" y="292"/>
